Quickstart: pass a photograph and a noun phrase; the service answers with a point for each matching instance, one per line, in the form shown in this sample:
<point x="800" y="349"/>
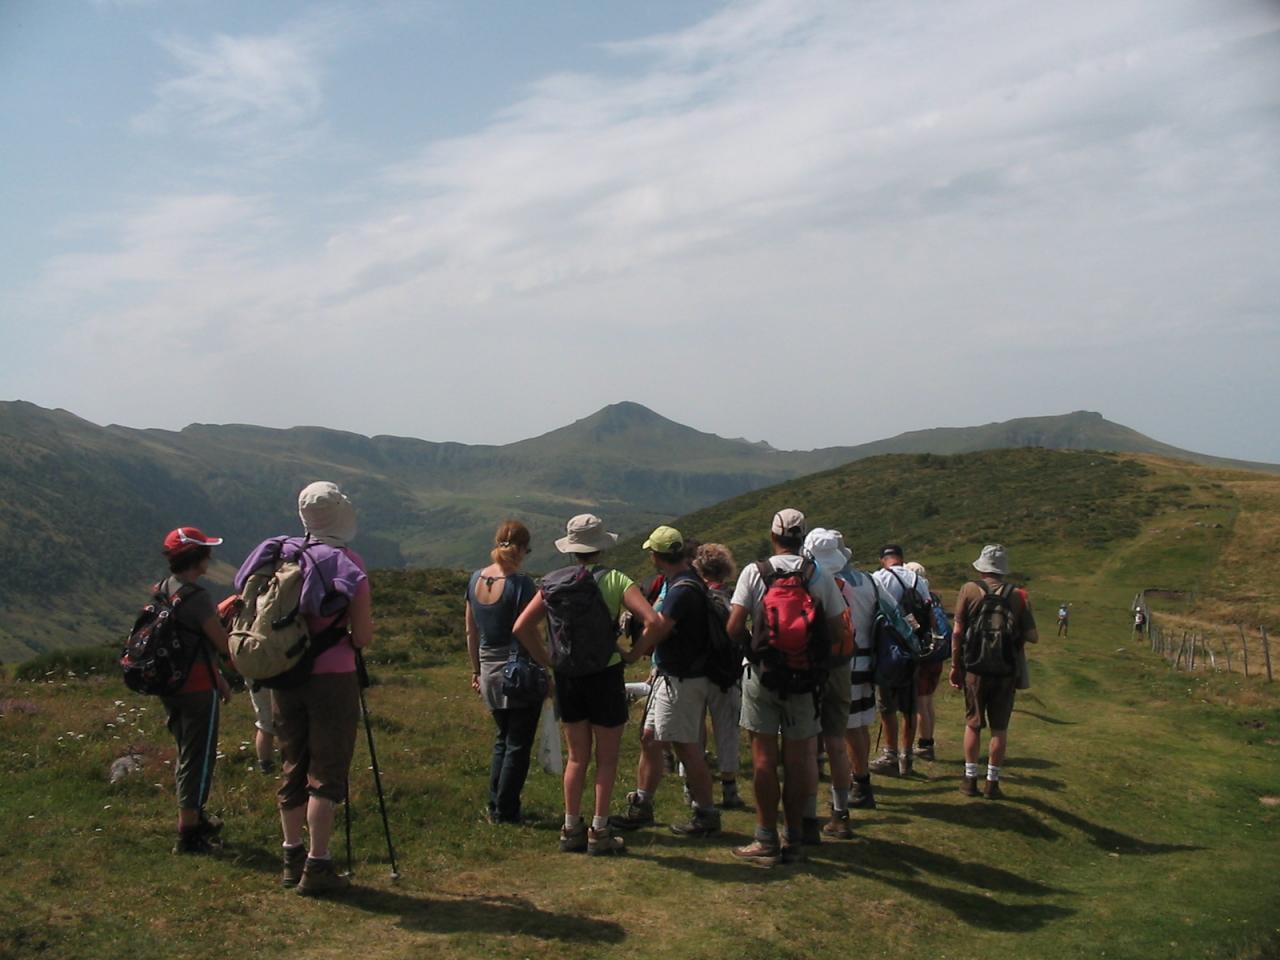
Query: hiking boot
<point x="792" y="853"/>
<point x="703" y="823"/>
<point x="211" y="826"/>
<point x="294" y="859"/>
<point x="574" y="839"/>
<point x="320" y="877"/>
<point x="862" y="796"/>
<point x="195" y="840"/>
<point x="810" y="832"/>
<point x="991" y="790"/>
<point x="837" y="828"/>
<point x="904" y="764"/>
<point x="887" y="762"/>
<point x="732" y="800"/>
<point x="969" y="786"/>
<point x="602" y="843"/>
<point x="759" y="852"/>
<point x="639" y="814"/>
<point x="925" y="753"/>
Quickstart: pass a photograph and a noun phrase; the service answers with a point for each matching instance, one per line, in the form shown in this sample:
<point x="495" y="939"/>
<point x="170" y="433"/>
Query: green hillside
<point x="1142" y="816"/>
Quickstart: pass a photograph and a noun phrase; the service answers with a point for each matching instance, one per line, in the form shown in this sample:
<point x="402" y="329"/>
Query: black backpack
<point x="159" y="652"/>
<point x="582" y="634"/>
<point x="721" y="663"/>
<point x="990" y="635"/>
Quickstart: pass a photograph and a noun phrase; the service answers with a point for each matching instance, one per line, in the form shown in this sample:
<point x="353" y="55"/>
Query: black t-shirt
<point x="684" y="653"/>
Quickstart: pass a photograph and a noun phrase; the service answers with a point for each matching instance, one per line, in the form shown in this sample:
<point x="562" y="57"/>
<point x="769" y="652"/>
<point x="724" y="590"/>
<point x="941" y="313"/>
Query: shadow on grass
<point x="1103" y="837"/>
<point x="982" y="814"/>
<point x="508" y="915"/>
<point x="1029" y="763"/>
<point x="1045" y="718"/>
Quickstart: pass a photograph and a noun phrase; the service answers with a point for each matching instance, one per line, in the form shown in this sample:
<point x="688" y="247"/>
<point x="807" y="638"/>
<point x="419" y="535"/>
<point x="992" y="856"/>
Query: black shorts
<point x="898" y="699"/>
<point x="599" y="698"/>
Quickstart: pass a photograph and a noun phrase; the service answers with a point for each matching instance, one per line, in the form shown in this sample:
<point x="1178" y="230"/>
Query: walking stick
<point x="363" y="678"/>
<point x="346" y="815"/>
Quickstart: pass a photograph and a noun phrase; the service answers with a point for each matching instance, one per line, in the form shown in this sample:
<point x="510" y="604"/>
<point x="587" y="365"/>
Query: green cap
<point x="665" y="540"/>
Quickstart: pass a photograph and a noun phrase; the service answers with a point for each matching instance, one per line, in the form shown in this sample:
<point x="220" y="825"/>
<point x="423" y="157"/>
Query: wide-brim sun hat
<point x="326" y="513"/>
<point x="827" y="549"/>
<point x="585" y="533"/>
<point x="916" y="568"/>
<point x="993" y="559"/>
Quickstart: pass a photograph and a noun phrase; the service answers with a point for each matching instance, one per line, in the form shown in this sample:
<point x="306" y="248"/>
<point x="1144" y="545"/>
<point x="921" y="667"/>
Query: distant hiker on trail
<point x="193" y="710"/>
<point x="582" y="603"/>
<point x="928" y="676"/>
<point x="993" y="622"/>
<point x="316" y="702"/>
<point x="794" y="610"/>
<point x="496" y="595"/>
<point x="1064" y="612"/>
<point x="826" y="548"/>
<point x="681" y="644"/>
<point x="894" y="580"/>
<point x="715" y="564"/>
<point x="1139" y="620"/>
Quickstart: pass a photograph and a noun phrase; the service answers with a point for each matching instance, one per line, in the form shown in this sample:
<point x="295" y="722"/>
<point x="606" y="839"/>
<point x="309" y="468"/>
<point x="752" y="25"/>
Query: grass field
<point x="1142" y="819"/>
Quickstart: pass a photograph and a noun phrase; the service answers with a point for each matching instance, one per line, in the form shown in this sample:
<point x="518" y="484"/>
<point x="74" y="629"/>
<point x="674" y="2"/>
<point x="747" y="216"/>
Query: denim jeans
<point x="512" y="751"/>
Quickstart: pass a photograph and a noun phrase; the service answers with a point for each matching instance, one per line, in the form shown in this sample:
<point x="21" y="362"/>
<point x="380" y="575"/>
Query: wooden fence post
<point x="1191" y="658"/>
<point x="1213" y="660"/>
<point x="1244" y="642"/>
<point x="1181" y="647"/>
<point x="1266" y="650"/>
<point x="1226" y="649"/>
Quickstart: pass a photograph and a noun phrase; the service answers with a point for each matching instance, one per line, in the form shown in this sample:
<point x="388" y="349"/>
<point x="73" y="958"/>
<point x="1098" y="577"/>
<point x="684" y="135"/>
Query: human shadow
<point x="483" y="914"/>
<point x="1104" y="837"/>
<point x="935" y="788"/>
<point x="1044" y="783"/>
<point x="1029" y="763"/>
<point x="1045" y="718"/>
<point x="984" y="815"/>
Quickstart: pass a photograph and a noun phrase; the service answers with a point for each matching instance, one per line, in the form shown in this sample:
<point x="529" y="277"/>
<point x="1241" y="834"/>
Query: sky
<point x="806" y="222"/>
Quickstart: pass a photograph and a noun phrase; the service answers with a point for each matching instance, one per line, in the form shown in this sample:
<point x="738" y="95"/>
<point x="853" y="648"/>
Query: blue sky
<point x="478" y="221"/>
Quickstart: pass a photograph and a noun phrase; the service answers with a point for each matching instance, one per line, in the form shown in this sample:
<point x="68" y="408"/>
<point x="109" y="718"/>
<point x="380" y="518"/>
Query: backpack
<point x="722" y="661"/>
<point x="582" y="633"/>
<point x="940" y="651"/>
<point x="894" y="645"/>
<point x="789" y="639"/>
<point x="928" y="619"/>
<point x="268" y="636"/>
<point x="989" y="637"/>
<point x="159" y="652"/>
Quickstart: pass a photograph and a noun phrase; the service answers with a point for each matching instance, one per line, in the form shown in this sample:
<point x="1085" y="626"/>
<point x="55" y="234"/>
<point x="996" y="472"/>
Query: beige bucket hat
<point x="993" y="559"/>
<point x="326" y="513"/>
<point x="585" y="533"/>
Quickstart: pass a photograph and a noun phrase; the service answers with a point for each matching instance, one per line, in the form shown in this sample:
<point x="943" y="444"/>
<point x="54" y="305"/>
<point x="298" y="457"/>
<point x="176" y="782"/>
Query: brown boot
<point x="294" y="859"/>
<point x="992" y="790"/>
<point x="969" y="786"/>
<point x="837" y="828"/>
<point x="319" y="877"/>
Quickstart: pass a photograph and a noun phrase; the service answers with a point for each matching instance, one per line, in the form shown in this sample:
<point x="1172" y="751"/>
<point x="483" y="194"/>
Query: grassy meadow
<point x="1142" y="818"/>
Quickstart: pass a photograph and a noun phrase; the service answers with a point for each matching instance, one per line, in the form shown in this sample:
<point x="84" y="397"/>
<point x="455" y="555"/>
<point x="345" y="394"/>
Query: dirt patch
<point x="1269" y="801"/>
<point x="10" y="707"/>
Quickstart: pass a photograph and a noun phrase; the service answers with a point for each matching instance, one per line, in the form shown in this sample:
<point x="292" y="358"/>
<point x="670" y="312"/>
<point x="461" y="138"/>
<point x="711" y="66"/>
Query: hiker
<point x="1139" y="620"/>
<point x="590" y="689"/>
<point x="895" y="580"/>
<point x="316" y="718"/>
<point x="793" y="607"/>
<point x="715" y="564"/>
<point x="264" y="728"/>
<point x="192" y="712"/>
<point x="928" y="676"/>
<point x="681" y="645"/>
<point x="496" y="595"/>
<point x="1064" y="613"/>
<point x="827" y="549"/>
<point x="992" y="624"/>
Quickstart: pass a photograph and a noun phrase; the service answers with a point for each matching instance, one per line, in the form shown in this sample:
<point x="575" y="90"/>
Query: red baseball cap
<point x="188" y="538"/>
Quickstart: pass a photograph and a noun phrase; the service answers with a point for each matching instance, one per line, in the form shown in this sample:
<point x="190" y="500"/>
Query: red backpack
<point x="789" y="639"/>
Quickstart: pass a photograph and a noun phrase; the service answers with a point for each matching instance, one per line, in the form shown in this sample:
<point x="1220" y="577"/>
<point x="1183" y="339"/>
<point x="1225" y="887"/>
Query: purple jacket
<point x="327" y="572"/>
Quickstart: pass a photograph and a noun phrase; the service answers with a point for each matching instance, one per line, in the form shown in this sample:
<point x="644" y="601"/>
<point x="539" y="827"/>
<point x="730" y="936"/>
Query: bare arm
<point x="526" y="630"/>
<point x="737" y="625"/>
<point x="217" y="634"/>
<point x="361" y="619"/>
<point x="650" y="622"/>
<point x="654" y="635"/>
<point x="473" y="648"/>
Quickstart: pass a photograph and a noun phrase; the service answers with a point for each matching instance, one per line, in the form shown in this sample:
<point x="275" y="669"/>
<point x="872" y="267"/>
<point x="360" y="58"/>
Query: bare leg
<point x="578" y="736"/>
<point x="995" y="749"/>
<point x="838" y="757"/>
<point x="889" y="723"/>
<point x="800" y="767"/>
<point x="924" y="716"/>
<point x="608" y="742"/>
<point x="764" y="763"/>
<point x="650" y="768"/>
<point x="292" y="821"/>
<point x="265" y="745"/>
<point x="320" y="812"/>
<point x="858" y="741"/>
<point x="697" y="773"/>
<point x="972" y="740"/>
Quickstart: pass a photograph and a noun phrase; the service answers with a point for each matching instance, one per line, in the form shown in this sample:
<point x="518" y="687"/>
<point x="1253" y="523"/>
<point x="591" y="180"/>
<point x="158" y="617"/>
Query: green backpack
<point x="990" y="637"/>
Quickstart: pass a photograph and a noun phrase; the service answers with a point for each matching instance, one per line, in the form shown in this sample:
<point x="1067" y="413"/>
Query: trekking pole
<point x="346" y="814"/>
<point x="363" y="681"/>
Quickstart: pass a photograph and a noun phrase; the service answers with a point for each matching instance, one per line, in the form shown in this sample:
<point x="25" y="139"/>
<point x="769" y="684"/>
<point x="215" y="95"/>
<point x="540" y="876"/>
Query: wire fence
<point x="1195" y="647"/>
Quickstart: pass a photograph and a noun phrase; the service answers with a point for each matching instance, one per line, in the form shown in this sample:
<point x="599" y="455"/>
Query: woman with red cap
<point x="193" y="710"/>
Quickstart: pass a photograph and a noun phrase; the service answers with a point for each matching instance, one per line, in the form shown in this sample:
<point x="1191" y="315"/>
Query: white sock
<point x="971" y="771"/>
<point x="320" y="856"/>
<point x="644" y="796"/>
<point x="292" y="846"/>
<point x="599" y="823"/>
<point x="570" y="821"/>
<point x="993" y="772"/>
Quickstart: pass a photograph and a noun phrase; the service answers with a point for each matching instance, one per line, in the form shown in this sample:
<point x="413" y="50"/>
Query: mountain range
<point x="83" y="507"/>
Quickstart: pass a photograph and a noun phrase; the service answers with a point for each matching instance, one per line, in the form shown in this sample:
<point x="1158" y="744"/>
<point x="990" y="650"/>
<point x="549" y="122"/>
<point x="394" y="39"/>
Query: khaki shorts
<point x="316" y="724"/>
<point x="261" y="700"/>
<point x="677" y="709"/>
<point x="763" y="711"/>
<point x="988" y="701"/>
<point x="836" y="699"/>
<point x="927" y="677"/>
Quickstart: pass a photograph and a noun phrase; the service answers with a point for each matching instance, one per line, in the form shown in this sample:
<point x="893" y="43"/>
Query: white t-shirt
<point x="895" y="581"/>
<point x="749" y="592"/>
<point x="860" y="595"/>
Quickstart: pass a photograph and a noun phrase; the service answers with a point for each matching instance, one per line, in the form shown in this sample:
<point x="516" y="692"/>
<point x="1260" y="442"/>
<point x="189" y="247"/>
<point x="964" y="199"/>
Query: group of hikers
<point x="799" y="651"/>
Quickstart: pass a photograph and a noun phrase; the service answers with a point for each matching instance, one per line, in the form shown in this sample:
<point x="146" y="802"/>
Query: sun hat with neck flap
<point x="585" y="533"/>
<point x="993" y="559"/>
<point x="326" y="513"/>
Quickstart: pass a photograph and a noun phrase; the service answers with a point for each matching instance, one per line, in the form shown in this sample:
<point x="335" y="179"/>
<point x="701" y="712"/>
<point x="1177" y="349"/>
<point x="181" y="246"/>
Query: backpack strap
<point x="767" y="573"/>
<point x="515" y="615"/>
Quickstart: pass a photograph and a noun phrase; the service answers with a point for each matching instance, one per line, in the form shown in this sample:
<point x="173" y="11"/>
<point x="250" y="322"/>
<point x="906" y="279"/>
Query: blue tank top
<point x="495" y="620"/>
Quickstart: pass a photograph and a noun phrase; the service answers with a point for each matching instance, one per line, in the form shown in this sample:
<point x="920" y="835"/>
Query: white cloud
<point x="830" y="172"/>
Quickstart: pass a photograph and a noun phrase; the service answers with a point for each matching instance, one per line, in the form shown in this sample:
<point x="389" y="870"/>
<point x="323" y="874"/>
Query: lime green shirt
<point x="612" y="586"/>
